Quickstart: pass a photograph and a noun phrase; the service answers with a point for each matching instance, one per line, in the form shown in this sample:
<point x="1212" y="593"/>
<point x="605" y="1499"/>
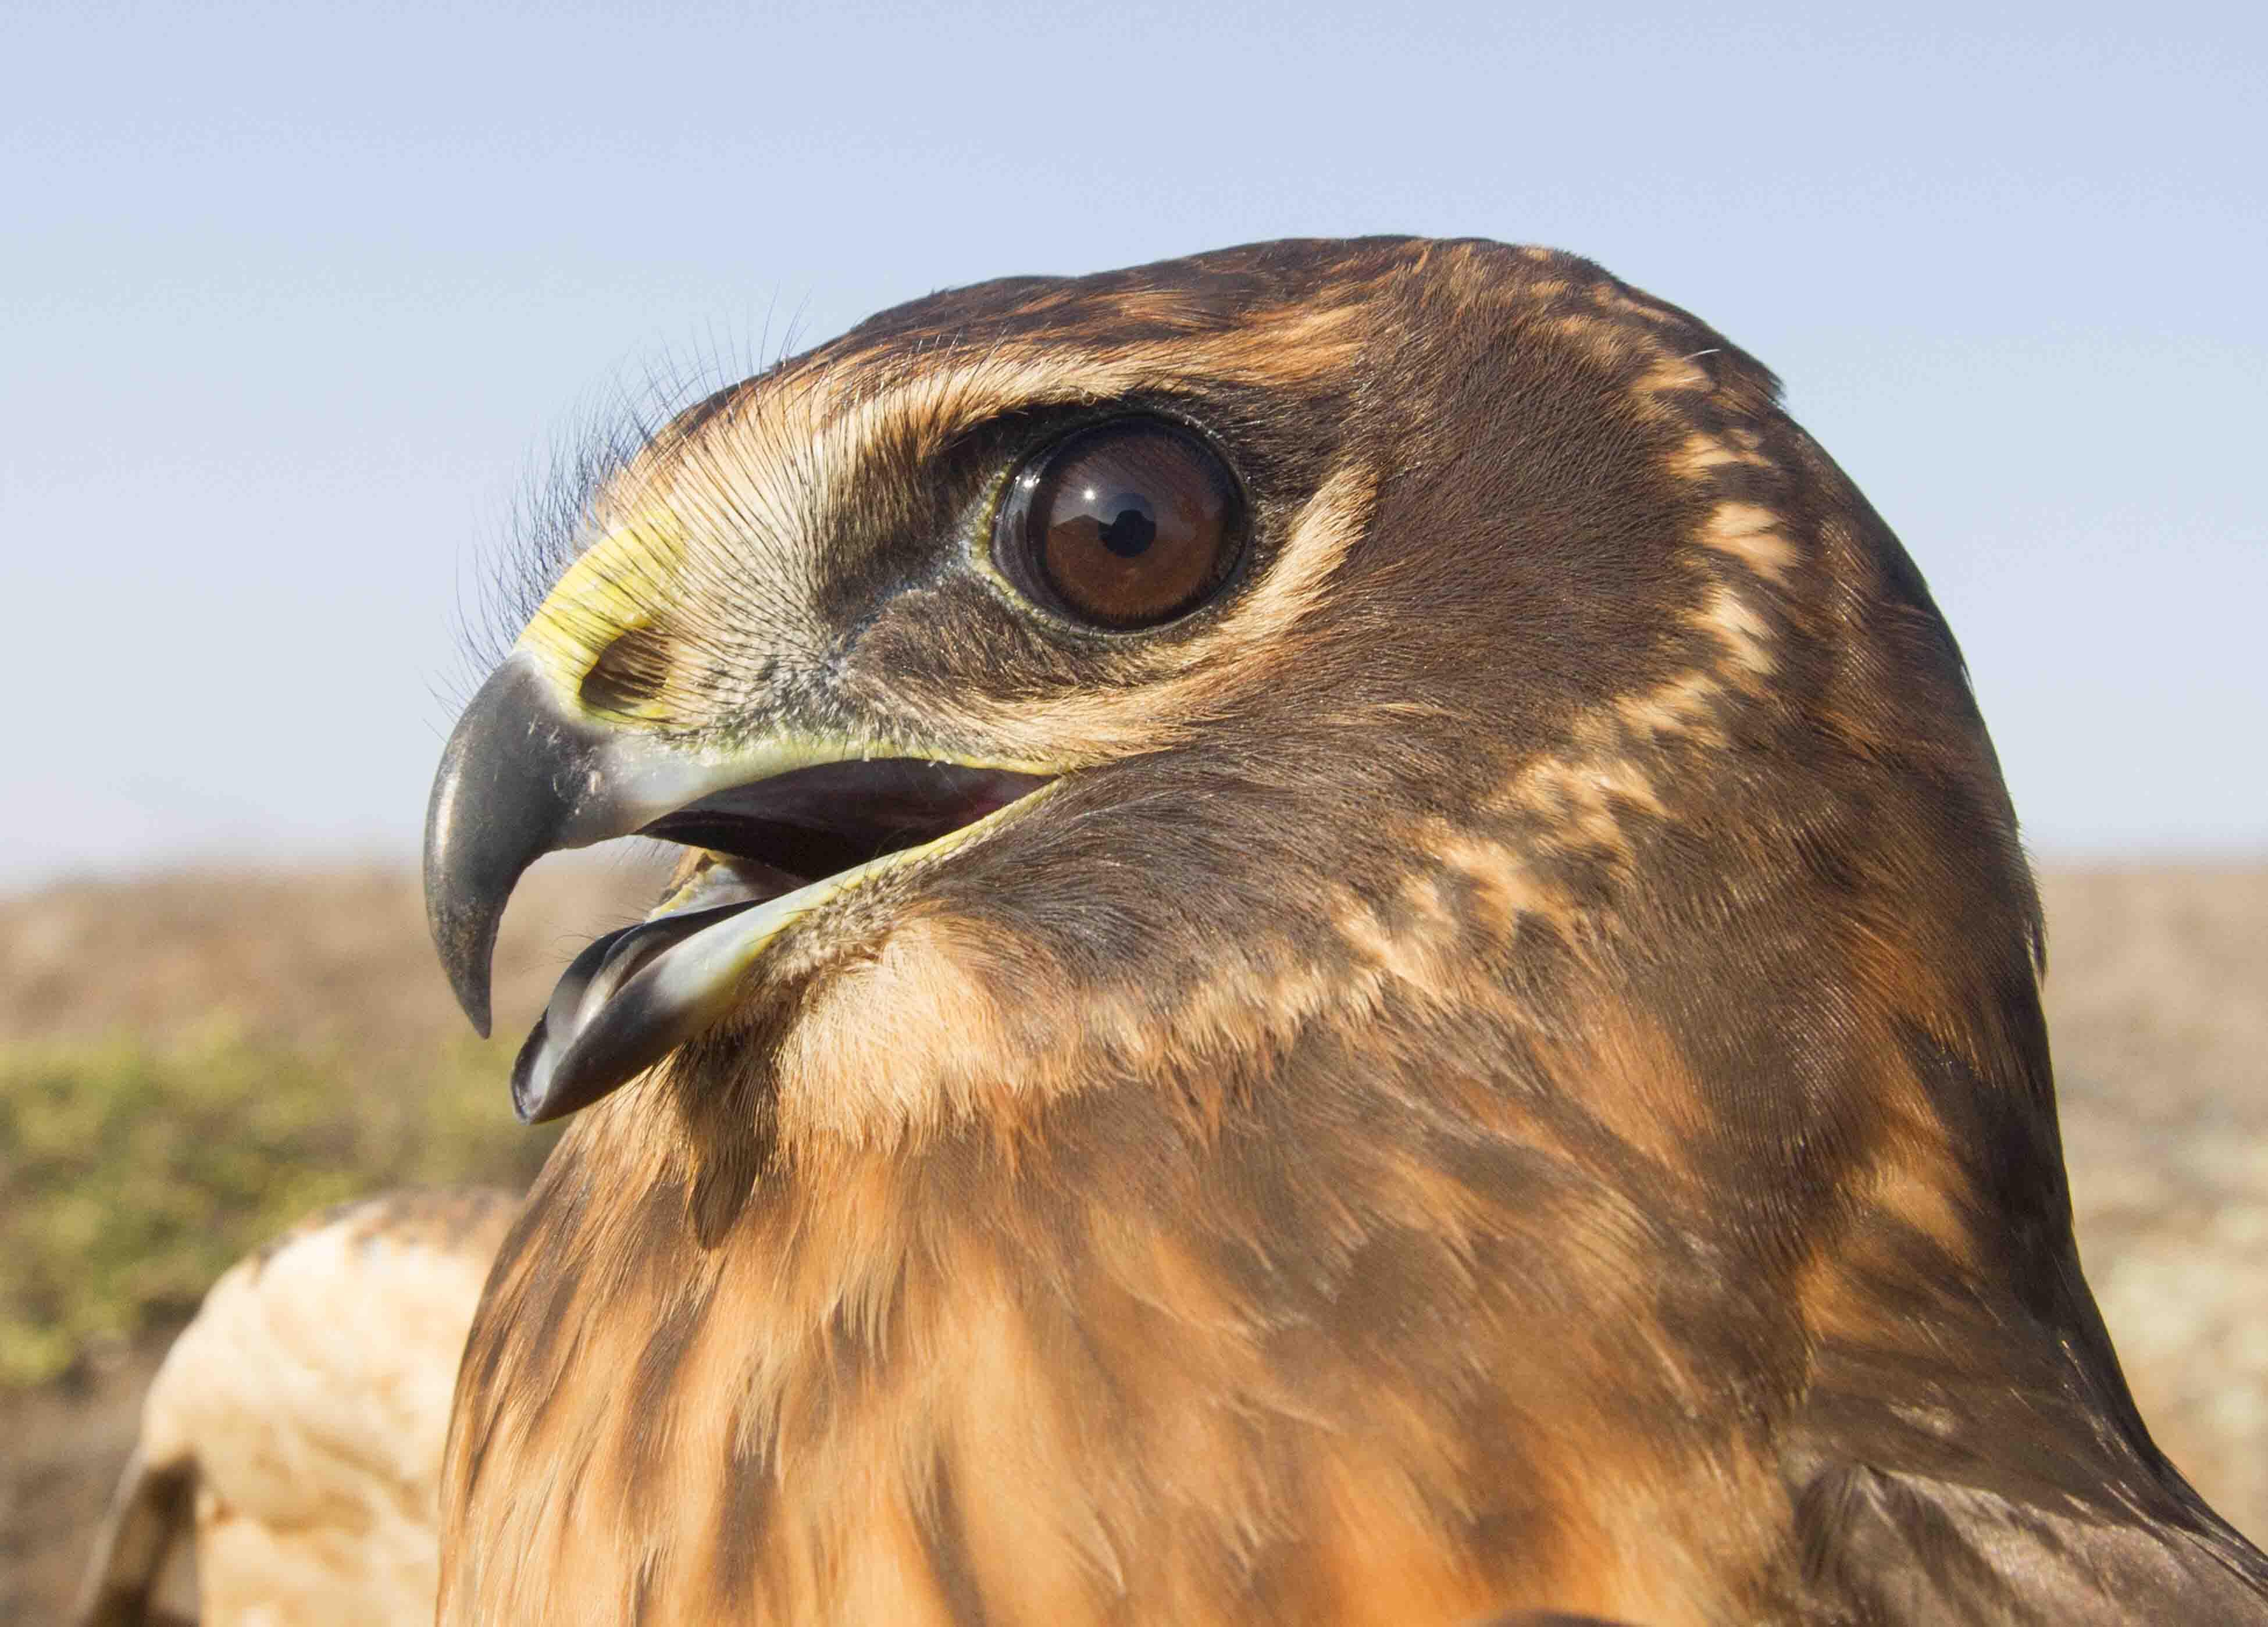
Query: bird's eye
<point x="1123" y="525"/>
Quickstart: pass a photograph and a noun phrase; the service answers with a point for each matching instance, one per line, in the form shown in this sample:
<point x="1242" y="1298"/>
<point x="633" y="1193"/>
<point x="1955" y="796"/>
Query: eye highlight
<point x="1123" y="525"/>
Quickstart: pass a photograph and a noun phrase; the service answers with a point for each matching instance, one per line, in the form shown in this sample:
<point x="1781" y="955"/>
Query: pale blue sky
<point x="293" y="298"/>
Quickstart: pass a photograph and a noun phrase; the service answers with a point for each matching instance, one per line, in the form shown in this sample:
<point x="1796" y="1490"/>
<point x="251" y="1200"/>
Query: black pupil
<point x="1133" y="526"/>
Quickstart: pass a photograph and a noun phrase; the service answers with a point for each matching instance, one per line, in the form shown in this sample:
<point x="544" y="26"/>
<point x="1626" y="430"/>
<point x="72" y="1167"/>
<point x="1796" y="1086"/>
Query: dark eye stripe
<point x="1123" y="525"/>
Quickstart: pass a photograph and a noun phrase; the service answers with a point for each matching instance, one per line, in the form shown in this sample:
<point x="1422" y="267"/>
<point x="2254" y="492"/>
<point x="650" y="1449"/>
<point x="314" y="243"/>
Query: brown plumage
<point x="291" y="1441"/>
<point x="1502" y="1072"/>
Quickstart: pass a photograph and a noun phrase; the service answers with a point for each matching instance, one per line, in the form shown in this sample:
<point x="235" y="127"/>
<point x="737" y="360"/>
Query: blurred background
<point x="300" y="304"/>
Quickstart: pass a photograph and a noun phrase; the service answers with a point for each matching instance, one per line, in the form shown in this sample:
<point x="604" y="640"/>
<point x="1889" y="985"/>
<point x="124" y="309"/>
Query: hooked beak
<point x="789" y="821"/>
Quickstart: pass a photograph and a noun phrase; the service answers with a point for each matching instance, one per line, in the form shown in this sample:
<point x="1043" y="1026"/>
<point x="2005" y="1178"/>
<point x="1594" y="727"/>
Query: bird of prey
<point x="297" y="1424"/>
<point x="1351" y="953"/>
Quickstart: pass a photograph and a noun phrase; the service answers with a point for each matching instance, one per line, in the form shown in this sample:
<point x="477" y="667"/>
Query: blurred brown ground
<point x="2157" y="996"/>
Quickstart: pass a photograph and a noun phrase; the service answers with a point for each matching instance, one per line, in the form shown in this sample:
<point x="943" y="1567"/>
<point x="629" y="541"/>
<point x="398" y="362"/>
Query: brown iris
<point x="1123" y="525"/>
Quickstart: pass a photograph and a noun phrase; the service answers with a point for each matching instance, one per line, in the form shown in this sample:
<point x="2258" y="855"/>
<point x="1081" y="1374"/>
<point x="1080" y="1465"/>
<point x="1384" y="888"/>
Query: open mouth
<point x="776" y="848"/>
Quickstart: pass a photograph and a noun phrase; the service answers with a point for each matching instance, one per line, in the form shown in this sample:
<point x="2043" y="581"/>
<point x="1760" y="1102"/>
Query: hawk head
<point x="1348" y="939"/>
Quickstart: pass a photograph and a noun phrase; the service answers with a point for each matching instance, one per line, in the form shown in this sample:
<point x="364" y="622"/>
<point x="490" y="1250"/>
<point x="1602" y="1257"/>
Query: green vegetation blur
<point x="132" y="1174"/>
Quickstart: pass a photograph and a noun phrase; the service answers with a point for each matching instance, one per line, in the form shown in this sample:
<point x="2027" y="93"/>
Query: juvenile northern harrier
<point x="1354" y="955"/>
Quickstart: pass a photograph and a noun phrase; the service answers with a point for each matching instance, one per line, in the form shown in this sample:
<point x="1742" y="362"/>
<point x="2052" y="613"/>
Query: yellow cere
<point x="612" y="589"/>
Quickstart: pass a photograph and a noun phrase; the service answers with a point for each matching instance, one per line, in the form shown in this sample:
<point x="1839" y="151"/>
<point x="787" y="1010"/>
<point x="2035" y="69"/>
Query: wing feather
<point x="296" y="1425"/>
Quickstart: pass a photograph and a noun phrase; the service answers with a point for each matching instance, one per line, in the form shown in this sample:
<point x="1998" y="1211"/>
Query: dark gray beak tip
<point x="468" y="947"/>
<point x="502" y="800"/>
<point x="464" y="904"/>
